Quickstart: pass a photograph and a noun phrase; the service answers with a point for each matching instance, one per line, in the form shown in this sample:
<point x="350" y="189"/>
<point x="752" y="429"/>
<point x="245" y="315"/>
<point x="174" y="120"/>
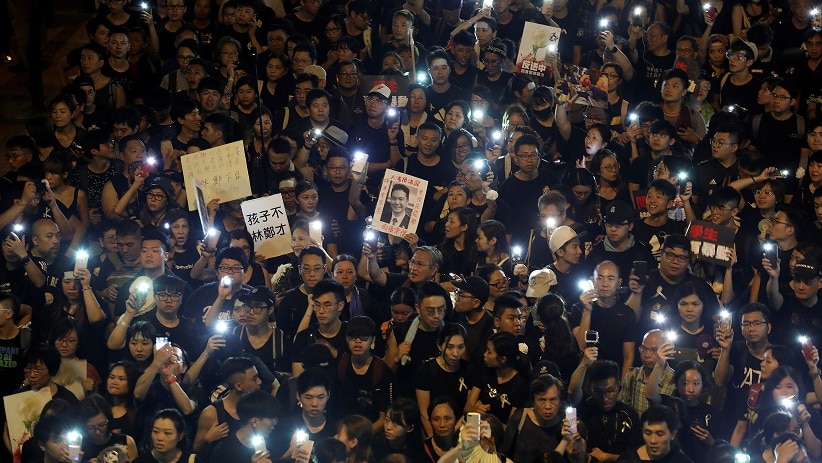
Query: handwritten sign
<point x="222" y="171"/>
<point x="539" y="43"/>
<point x="399" y="206"/>
<point x="267" y="222"/>
<point x="398" y="85"/>
<point x="22" y="413"/>
<point x="711" y="242"/>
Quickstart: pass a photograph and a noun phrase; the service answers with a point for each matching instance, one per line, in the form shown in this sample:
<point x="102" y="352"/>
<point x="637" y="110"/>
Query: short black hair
<point x="665" y="187"/>
<point x="314" y="251"/>
<point x="542" y="383"/>
<point x="601" y="370"/>
<point x="157" y="235"/>
<point x="656" y="414"/>
<point x="45" y="353"/>
<point x="326" y="286"/>
<point x="257" y="404"/>
<point x="169" y="283"/>
<point x="233" y="254"/>
<point x="504" y="302"/>
<point x="234" y="365"/>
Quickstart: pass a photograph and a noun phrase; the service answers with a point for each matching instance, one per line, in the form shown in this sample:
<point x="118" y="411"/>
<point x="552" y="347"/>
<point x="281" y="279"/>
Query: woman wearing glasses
<point x="605" y="167"/>
<point x="95" y="417"/>
<point x="66" y="338"/>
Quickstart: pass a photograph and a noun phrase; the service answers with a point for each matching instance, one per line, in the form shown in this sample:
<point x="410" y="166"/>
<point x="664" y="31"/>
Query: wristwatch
<point x="25" y="261"/>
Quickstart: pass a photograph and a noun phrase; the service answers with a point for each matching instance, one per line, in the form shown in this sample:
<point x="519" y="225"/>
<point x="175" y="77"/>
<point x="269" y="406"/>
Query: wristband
<point x="171" y="379"/>
<point x="393" y="143"/>
<point x="121" y="322"/>
<point x="25" y="261"/>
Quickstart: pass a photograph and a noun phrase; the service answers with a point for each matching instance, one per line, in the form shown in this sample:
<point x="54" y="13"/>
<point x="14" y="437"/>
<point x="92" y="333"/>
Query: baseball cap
<point x="738" y="44"/>
<point x="476" y="286"/>
<point x="618" y="212"/>
<point x="806" y="270"/>
<point x="258" y="294"/>
<point x="561" y="236"/>
<point x="360" y="326"/>
<point x="540" y="282"/>
<point x="315" y="70"/>
<point x="381" y="90"/>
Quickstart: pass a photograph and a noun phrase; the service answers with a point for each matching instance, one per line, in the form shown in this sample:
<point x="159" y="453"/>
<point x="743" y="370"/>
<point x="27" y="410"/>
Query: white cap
<point x="540" y="282"/>
<point x="560" y="237"/>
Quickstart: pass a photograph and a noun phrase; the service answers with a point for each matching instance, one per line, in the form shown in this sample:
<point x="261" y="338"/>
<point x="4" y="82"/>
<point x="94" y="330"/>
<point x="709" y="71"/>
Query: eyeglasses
<point x="773" y="220"/>
<point x="719" y="143"/>
<point x="336" y="169"/>
<point x="324" y="307"/>
<point x="288" y="192"/>
<point x="227" y="269"/>
<point x="332" y="29"/>
<point x="185" y="58"/>
<point x="780" y="97"/>
<point x="416" y="263"/>
<point x="462" y="293"/>
<point x="307" y="269"/>
<point x="359" y="337"/>
<point x="374" y="100"/>
<point x="610" y="168"/>
<point x="34" y="371"/>
<point x="718" y="208"/>
<point x="173" y="297"/>
<point x="432" y="311"/>
<point x="528" y="157"/>
<point x="763" y="192"/>
<point x="754" y="323"/>
<point x="501" y="284"/>
<point x="463" y="147"/>
<point x="92" y="428"/>
<point x="492" y="62"/>
<point x="66" y="341"/>
<point x="642" y="348"/>
<point x="252" y="309"/>
<point x="736" y="56"/>
<point x="155" y="196"/>
<point x="610" y="76"/>
<point x="673" y="257"/>
<point x="466" y="174"/>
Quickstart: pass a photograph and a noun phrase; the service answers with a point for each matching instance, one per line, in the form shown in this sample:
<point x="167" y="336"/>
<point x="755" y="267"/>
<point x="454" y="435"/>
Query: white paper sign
<point x="222" y="172"/>
<point x="399" y="206"/>
<point x="22" y="413"/>
<point x="267" y="222"/>
<point x="538" y="42"/>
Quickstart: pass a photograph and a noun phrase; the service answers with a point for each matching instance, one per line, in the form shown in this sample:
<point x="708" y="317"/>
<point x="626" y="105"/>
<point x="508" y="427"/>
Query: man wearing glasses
<point x="347" y="100"/>
<point x="722" y="168"/>
<point x="739" y="87"/>
<point x="423" y="266"/>
<point x="215" y="300"/>
<point x="326" y="305"/>
<point x="295" y="307"/>
<point x="653" y="300"/>
<point x="778" y="133"/>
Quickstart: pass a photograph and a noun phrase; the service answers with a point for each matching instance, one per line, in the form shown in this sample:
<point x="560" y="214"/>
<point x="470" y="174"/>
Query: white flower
<point x="523" y="348"/>
<point x="279" y="273"/>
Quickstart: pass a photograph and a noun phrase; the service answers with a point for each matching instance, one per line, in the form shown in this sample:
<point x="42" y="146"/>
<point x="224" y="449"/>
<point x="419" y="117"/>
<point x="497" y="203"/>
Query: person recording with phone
<point x="215" y="301"/>
<point x="601" y="310"/>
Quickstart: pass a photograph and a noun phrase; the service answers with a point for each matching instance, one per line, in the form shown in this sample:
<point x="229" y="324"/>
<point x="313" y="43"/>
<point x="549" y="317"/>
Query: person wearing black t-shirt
<point x="800" y="312"/>
<point x="326" y="303"/>
<point x="258" y="412"/>
<point x="364" y="383"/>
<point x="655" y="228"/>
<point x="659" y="429"/>
<point x="293" y="309"/>
<point x="565" y="247"/>
<point x="441" y="92"/>
<point x="531" y="431"/>
<point x="313" y="392"/>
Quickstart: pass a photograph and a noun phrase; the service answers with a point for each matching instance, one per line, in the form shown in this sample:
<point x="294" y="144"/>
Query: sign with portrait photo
<point x="399" y="206"/>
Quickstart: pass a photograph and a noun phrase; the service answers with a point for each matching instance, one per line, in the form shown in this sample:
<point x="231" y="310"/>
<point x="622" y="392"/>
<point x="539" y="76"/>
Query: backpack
<point x="757" y="121"/>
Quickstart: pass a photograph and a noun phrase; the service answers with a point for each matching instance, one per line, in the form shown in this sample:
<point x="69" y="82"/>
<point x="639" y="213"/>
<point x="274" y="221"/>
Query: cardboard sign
<point x="711" y="242"/>
<point x="399" y="206"/>
<point x="222" y="172"/>
<point x="267" y="222"/>
<point x="538" y="49"/>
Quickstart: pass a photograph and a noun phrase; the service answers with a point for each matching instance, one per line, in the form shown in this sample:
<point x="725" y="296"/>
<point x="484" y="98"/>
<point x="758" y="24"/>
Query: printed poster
<point x="22" y="413"/>
<point x="222" y="171"/>
<point x="399" y="206"/>
<point x="538" y="43"/>
<point x="267" y="222"/>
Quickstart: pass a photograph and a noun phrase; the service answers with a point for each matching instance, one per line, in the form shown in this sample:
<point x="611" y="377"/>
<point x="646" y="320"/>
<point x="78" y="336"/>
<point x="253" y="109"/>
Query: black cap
<point x="476" y="286"/>
<point x="618" y="212"/>
<point x="806" y="270"/>
<point x="258" y="294"/>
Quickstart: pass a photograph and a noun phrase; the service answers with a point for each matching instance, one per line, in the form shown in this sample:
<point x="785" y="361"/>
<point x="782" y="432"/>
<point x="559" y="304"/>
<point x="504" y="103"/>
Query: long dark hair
<point x="466" y="216"/>
<point x="559" y="340"/>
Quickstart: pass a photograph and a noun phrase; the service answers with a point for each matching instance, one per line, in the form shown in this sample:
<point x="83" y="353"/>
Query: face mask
<point x="544" y="113"/>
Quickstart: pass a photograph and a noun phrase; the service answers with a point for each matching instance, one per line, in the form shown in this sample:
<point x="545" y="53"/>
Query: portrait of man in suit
<point x="396" y="210"/>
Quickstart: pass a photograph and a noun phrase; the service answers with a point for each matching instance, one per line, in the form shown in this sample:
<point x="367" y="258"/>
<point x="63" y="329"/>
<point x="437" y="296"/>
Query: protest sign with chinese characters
<point x="267" y="222"/>
<point x="222" y="171"/>
<point x="539" y="43"/>
<point x="711" y="242"/>
<point x="397" y="83"/>
<point x="399" y="206"/>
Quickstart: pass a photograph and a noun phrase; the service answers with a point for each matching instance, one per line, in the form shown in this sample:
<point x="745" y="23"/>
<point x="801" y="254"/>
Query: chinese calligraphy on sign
<point x="710" y="242"/>
<point x="267" y="222"/>
<point x="539" y="43"/>
<point x="399" y="206"/>
<point x="222" y="172"/>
